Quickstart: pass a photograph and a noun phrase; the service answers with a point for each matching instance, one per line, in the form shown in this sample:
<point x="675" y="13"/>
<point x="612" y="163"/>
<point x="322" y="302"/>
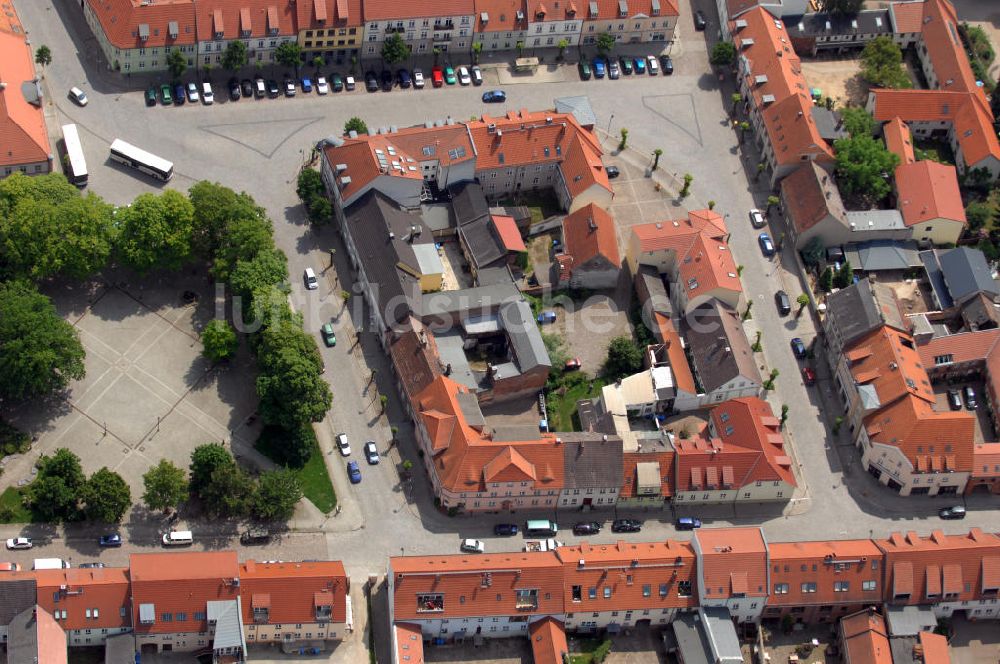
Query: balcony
<point x="526" y="600"/>
<point x="444" y="25"/>
<point x="433" y="603"/>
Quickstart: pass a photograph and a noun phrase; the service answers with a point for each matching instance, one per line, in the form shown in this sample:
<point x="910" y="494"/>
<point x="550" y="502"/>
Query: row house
<point x="90" y="605"/>
<point x="732" y="571"/>
<point x="136" y="36"/>
<point x="333" y="29"/>
<point x="553" y="22"/>
<point x="22" y="119"/>
<point x="262" y="25"/>
<point x="501" y="25"/>
<point x="629" y="21"/>
<point x="426" y="27"/>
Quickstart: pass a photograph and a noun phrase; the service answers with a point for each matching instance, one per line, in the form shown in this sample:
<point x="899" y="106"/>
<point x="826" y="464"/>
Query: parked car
<point x="587" y="528"/>
<point x="954" y="512"/>
<point x="234" y="89"/>
<point x="667" y="64"/>
<point x="970" y="397"/>
<point x="309" y="278"/>
<point x="342" y="445"/>
<point x="10" y="567"/>
<point x="110" y="540"/>
<point x="289" y="85"/>
<point x="151" y="96"/>
<point x="640" y="65"/>
<point x="614" y="71"/>
<point x="418" y="78"/>
<point x="699" y="20"/>
<point x="547" y="317"/>
<point x="259" y="88"/>
<point x="329" y="336"/>
<point x="808" y="376"/>
<point x="386" y="78"/>
<point x="166" y="97"/>
<point x="322" y="87"/>
<point x="336" y="82"/>
<point x="599" y="69"/>
<point x="505" y="529"/>
<point x="19" y="543"/>
<point x="626" y="526"/>
<point x="371" y="453"/>
<point x="757" y="218"/>
<point x="437" y="76"/>
<point x="612" y="172"/>
<point x="766" y="246"/>
<point x="403" y="76"/>
<point x="449" y="75"/>
<point x="653" y="66"/>
<point x="349" y="83"/>
<point x="207" y="96"/>
<point x="494" y="97"/>
<point x="246" y="87"/>
<point x="687" y="523"/>
<point x="477" y="75"/>
<point x="472" y="546"/>
<point x="354" y="472"/>
<point x="463" y="76"/>
<point x="584" y="69"/>
<point x="272" y="89"/>
<point x="573" y="364"/>
<point x="798" y="348"/>
<point x="371" y="81"/>
<point x="783" y="303"/>
<point x="626" y="65"/>
<point x="307" y="85"/>
<point x="78" y="95"/>
<point x="179" y="95"/>
<point x="255" y="535"/>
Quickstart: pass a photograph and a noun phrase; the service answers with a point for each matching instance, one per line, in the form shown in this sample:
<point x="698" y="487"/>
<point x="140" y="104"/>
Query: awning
<point x="933" y="581"/>
<point x="902" y="579"/>
<point x="953" y="579"/>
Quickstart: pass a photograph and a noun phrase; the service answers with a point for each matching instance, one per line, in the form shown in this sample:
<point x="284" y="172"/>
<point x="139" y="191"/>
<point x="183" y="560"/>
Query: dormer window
<point x="143" y="31"/>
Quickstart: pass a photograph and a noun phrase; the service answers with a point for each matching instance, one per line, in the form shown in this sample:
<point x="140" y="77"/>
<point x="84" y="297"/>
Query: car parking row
<point x="614" y="69"/>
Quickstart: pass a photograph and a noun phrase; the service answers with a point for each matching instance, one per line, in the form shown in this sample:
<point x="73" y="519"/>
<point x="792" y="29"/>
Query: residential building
<point x="592" y="466"/>
<point x="731" y="11"/>
<point x="33" y="635"/>
<point x="648" y="476"/>
<point x="445" y="25"/>
<point x="550" y="24"/>
<point x="733" y="569"/>
<point x="22" y="120"/>
<point x="857" y="311"/>
<point x="720" y="357"/>
<point x="928" y="197"/>
<point x="815" y="32"/>
<point x="415" y="361"/>
<point x="16" y="595"/>
<point x="811" y="201"/>
<point x="262" y="25"/>
<point x="501" y="24"/>
<point x="966" y="274"/>
<point x="638" y="21"/>
<point x="491" y="241"/>
<point x="590" y="245"/>
<point x="333" y="29"/>
<point x="89" y="605"/>
<point x="864" y="638"/>
<point x="137" y="36"/>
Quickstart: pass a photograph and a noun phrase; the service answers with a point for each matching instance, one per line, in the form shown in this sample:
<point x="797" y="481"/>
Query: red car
<point x="437" y="77"/>
<point x="808" y="376"/>
<point x="573" y="364"/>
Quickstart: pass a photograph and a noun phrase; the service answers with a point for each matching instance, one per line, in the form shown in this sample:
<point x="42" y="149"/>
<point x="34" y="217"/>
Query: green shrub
<point x="12" y="439"/>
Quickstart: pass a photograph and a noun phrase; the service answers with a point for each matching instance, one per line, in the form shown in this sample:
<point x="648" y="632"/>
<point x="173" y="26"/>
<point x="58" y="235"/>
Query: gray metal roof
<point x="827" y="123"/>
<point x="873" y="21"/>
<point x="966" y="273"/>
<point x="526" y="342"/>
<point x="480" y="300"/>
<point x="939" y="289"/>
<point x="881" y="255"/>
<point x="16" y="596"/>
<point x="721" y="635"/>
<point x="511" y="433"/>
<point x="482" y="242"/>
<point x="863" y="307"/>
<point x="451" y="350"/>
<point x="909" y="620"/>
<point x="489" y="324"/>
<point x="719" y="347"/>
<point x="228" y="624"/>
<point x="489" y="276"/>
<point x="468" y="203"/>
<point x="579" y="107"/>
<point x="592" y="462"/>
<point x="691" y="641"/>
<point x="469" y="405"/>
<point x="872" y="220"/>
<point x="650" y="284"/>
<point x="428" y="259"/>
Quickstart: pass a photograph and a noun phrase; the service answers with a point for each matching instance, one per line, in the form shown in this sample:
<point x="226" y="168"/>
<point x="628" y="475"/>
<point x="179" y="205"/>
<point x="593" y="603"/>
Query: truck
<point x="50" y="563"/>
<point x="541" y="545"/>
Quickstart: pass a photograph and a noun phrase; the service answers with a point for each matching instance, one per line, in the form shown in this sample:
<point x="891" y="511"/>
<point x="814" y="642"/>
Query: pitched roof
<point x="229" y="18"/>
<point x="962" y="347"/>
<point x="718" y="345"/>
<point x="939" y="34"/>
<point x="548" y="641"/>
<point x="328" y="14"/>
<point x="821" y="564"/>
<point x="591" y="460"/>
<point x="23" y="134"/>
<point x="414" y="357"/>
<point x="907" y="17"/>
<point x="105" y="590"/>
<point x="966" y="272"/>
<point x="510" y="236"/>
<point x="865" y="638"/>
<point x="120" y="20"/>
<point x="986" y="460"/>
<point x="793" y="132"/>
<point x="935" y="648"/>
<point x="708" y="267"/>
<point x="550" y="10"/>
<point x="723" y="550"/>
<point x="590" y="232"/>
<point x="864" y="307"/>
<point x="899" y="140"/>
<point x="502" y="15"/>
<point x="749" y="422"/>
<point x="679" y="234"/>
<point x="409" y="641"/>
<point x="16" y="594"/>
<point x="35" y="636"/>
<point x="887" y="360"/>
<point x="810" y="195"/>
<point x="926" y="191"/>
<point x="664" y="460"/>
<point x="380" y="10"/>
<point x="675" y="352"/>
<point x="295" y="590"/>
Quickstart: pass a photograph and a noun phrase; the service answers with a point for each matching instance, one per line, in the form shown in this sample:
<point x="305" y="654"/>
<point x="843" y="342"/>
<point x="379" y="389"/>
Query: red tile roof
<point x="502" y="15"/>
<point x="935" y="648"/>
<point x="927" y="190"/>
<point x="811" y="195"/>
<point x="409" y="643"/>
<point x="679" y="366"/>
<point x="888" y="359"/>
<point x="963" y="347"/>
<point x="679" y="234"/>
<point x="508" y="232"/>
<point x="548" y="641"/>
<point x="907" y="17"/>
<point x="711" y="268"/>
<point x="986" y="460"/>
<point x="334" y="14"/>
<point x="590" y="232"/>
<point x="726" y="549"/>
<point x="295" y="590"/>
<point x="865" y="638"/>
<point x="931" y="440"/>
<point x="120" y="20"/>
<point x="22" y="125"/>
<point x="550" y="10"/>
<point x="608" y="9"/>
<point x="360" y="155"/>
<point x="630" y="475"/>
<point x="415" y="358"/>
<point x="380" y="10"/>
<point x="821" y="564"/>
<point x="753" y="427"/>
<point x="82" y="593"/>
<point x="899" y="140"/>
<point x="945" y="50"/>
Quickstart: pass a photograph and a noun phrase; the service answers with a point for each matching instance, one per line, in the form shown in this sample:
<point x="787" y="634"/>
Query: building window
<point x="868" y="585"/>
<point x="841" y="586"/>
<point x="781" y="589"/>
<point x="607" y="592"/>
<point x="809" y="587"/>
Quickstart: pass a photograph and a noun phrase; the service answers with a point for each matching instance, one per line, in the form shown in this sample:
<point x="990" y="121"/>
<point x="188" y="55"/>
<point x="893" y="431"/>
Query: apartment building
<point x="501" y="24"/>
<point x="590" y="249"/>
<point x="733" y="571"/>
<point x="136" y="36"/>
<point x="262" y="25"/>
<point x="22" y="121"/>
<point x="427" y="27"/>
<point x="333" y="29"/>
<point x="552" y="22"/>
<point x="630" y="22"/>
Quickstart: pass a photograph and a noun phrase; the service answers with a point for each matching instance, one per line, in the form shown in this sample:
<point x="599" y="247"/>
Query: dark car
<point x="179" y="95"/>
<point x="371" y="81"/>
<point x="626" y="526"/>
<point x="626" y="64"/>
<point x="336" y="82"/>
<point x="371" y="453"/>
<point x="91" y="565"/>
<point x="953" y="512"/>
<point x="970" y="398"/>
<point x="354" y="472"/>
<point x="110" y="540"/>
<point x="234" y="89"/>
<point x="687" y="523"/>
<point x="584" y="71"/>
<point x="667" y="65"/>
<point x="255" y="535"/>
<point x="289" y="87"/>
<point x="798" y="348"/>
<point x="403" y="76"/>
<point x="699" y="20"/>
<point x="612" y="172"/>
<point x="954" y="400"/>
<point x="246" y="87"/>
<point x="307" y="84"/>
<point x="166" y="97"/>
<point x="494" y="97"/>
<point x="273" y="91"/>
<point x="766" y="245"/>
<point x="505" y="529"/>
<point x="587" y="528"/>
<point x="151" y="96"/>
<point x="386" y="77"/>
<point x="783" y="303"/>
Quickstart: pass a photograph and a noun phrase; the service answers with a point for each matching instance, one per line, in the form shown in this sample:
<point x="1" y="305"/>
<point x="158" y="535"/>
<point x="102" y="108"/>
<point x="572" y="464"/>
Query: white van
<point x="178" y="538"/>
<point x="309" y="277"/>
<point x="207" y="96"/>
<point x="50" y="563"/>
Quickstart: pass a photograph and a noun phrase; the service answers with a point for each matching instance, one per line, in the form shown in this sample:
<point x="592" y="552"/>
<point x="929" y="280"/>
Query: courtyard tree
<point x="355" y="124"/>
<point x="813" y="252"/>
<point x="309" y="184"/>
<point x="235" y="57"/>
<point x="657" y="153"/>
<point x="277" y="493"/>
<point x="228" y="492"/>
<point x="882" y="64"/>
<point x="844" y="276"/>
<point x="39" y="351"/>
<point x="979" y="215"/>
<point x="605" y="42"/>
<point x="863" y="167"/>
<point x="166" y="486"/>
<point x="177" y="63"/>
<point x="106" y="496"/>
<point x="857" y="121"/>
<point x="723" y="54"/>
<point x="624" y="358"/>
<point x="394" y="49"/>
<point x="219" y="340"/>
<point x="43" y="56"/>
<point x="826" y="280"/>
<point x="289" y="54"/>
<point x="841" y="7"/>
<point x="156" y="231"/>
<point x="55" y="493"/>
<point x="205" y="460"/>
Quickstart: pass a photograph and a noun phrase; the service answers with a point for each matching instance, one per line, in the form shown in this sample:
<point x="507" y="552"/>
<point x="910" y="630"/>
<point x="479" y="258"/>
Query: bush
<point x="12" y="439"/>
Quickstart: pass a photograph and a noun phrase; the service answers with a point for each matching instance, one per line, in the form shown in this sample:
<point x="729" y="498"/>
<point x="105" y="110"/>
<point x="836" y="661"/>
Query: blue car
<point x="547" y="317"/>
<point x="354" y="472"/>
<point x="110" y="540"/>
<point x="307" y="85"/>
<point x="766" y="246"/>
<point x="599" y="69"/>
<point x="640" y="65"/>
<point x="798" y="348"/>
<point x="494" y="97"/>
<point x="505" y="529"/>
<point x="179" y="94"/>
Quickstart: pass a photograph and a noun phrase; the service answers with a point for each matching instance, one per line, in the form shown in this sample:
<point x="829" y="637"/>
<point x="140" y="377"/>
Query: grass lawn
<point x="542" y="203"/>
<point x="562" y="407"/>
<point x="12" y="509"/>
<point x="312" y="476"/>
<point x="588" y="648"/>
<point x="938" y="151"/>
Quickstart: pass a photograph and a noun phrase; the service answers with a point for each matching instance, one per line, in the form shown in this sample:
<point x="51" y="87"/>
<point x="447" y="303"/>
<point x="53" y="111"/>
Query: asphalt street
<point x="259" y="145"/>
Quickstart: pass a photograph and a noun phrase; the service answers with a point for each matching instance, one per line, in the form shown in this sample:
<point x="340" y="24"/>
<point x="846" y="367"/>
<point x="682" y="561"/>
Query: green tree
<point x="53" y="188"/>
<point x="735" y="98"/>
<point x="863" y="167"/>
<point x="624" y="134"/>
<point x="841" y="6"/>
<point x="563" y="45"/>
<point x="803" y="301"/>
<point x="246" y="237"/>
<point x="166" y="486"/>
<point x="235" y="56"/>
<point x="882" y="64"/>
<point x="979" y="215"/>
<point x="309" y="184"/>
<point x="813" y="252"/>
<point x="355" y="124"/>
<point x="605" y="42"/>
<point x="318" y="62"/>
<point x="39" y="351"/>
<point x="289" y="447"/>
<point x="156" y="231"/>
<point x="624" y="358"/>
<point x="228" y="493"/>
<point x="394" y="49"/>
<point x="772" y="201"/>
<point x="106" y="496"/>
<point x="556" y="348"/>
<point x="320" y="209"/>
<point x="826" y="280"/>
<point x="723" y="54"/>
<point x="844" y="276"/>
<point x="216" y="210"/>
<point x="686" y="189"/>
<point x="267" y="268"/>
<point x="289" y="54"/>
<point x="43" y="56"/>
<point x="219" y="340"/>
<point x="177" y="63"/>
<point x="744" y="128"/>
<point x="278" y="491"/>
<point x="657" y="153"/>
<point x="857" y="121"/>
<point x="768" y="383"/>
<point x="205" y="460"/>
<point x="290" y="384"/>
<point x="55" y="493"/>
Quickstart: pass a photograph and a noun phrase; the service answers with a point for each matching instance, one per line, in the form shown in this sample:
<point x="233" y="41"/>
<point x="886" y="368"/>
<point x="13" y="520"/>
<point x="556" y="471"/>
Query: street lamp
<point x="609" y="123"/>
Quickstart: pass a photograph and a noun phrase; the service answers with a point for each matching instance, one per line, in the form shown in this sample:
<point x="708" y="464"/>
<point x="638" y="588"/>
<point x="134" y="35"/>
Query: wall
<point x="596" y="273"/>
<point x="497" y="182"/>
<point x="894" y="465"/>
<point x="297" y="632"/>
<point x="422" y="34"/>
<point x="939" y="231"/>
<point x="629" y="30"/>
<point x="548" y="34"/>
<point x="599" y="498"/>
